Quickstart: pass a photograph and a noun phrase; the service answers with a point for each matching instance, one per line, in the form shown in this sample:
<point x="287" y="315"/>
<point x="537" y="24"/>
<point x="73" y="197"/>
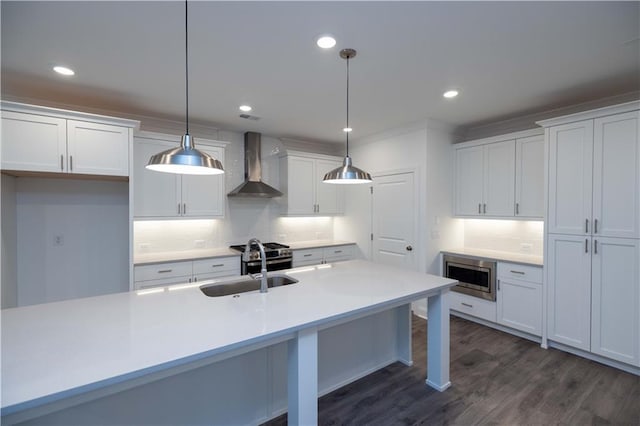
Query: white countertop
<point x="56" y="350"/>
<point x="526" y="259"/>
<point x="196" y="254"/>
<point x="299" y="245"/>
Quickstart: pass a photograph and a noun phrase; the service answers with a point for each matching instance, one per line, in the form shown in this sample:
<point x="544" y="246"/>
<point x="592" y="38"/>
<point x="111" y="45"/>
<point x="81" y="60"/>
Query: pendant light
<point x="185" y="159"/>
<point x="347" y="173"/>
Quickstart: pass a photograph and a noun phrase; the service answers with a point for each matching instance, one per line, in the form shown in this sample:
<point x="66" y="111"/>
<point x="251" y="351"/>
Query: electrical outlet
<point x="58" y="240"/>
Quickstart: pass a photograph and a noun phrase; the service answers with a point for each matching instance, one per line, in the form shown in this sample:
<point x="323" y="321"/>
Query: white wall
<point x="9" y="248"/>
<point x="92" y="258"/>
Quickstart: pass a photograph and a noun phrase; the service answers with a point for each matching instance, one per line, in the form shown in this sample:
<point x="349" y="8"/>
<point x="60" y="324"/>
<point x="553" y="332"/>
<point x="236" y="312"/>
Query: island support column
<point x="438" y="340"/>
<point x="303" y="378"/>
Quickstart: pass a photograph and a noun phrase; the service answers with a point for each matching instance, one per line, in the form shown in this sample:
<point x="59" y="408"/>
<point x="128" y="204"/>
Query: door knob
<point x="409" y="248"/>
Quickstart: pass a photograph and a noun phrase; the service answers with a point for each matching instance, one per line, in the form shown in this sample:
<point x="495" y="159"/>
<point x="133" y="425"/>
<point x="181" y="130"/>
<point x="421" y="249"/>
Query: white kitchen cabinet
<point x="166" y="195"/>
<point x="304" y="192"/>
<point x="37" y="142"/>
<point x="615" y="299"/>
<point x="474" y="306"/>
<point x="594" y="177"/>
<point x="530" y="177"/>
<point x="319" y="255"/>
<point x="519" y="297"/>
<point x="170" y="273"/>
<point x="501" y="176"/>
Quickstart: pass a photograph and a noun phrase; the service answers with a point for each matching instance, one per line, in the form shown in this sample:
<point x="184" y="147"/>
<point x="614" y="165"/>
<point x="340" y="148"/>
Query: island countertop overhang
<point x="52" y="351"/>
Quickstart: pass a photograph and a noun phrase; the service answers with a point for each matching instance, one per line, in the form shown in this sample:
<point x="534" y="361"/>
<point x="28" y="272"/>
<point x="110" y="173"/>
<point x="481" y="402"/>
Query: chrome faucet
<point x="263" y="260"/>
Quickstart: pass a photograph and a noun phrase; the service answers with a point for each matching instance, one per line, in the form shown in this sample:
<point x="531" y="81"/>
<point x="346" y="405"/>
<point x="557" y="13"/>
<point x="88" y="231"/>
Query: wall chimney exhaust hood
<point x="253" y="185"/>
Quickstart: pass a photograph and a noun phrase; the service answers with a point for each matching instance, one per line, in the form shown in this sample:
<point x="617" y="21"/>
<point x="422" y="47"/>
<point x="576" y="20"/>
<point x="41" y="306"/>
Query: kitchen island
<point x="85" y="360"/>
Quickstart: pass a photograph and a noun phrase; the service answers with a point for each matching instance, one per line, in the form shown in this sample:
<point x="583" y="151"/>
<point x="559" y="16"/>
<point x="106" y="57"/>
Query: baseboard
<point x="597" y="358"/>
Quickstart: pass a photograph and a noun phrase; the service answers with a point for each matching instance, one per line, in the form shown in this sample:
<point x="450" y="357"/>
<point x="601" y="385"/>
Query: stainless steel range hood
<point x="253" y="185"/>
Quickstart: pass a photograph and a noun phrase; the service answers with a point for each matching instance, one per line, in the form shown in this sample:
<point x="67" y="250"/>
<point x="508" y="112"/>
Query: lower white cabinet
<point x="316" y="256"/>
<point x="169" y="273"/>
<point x="474" y="306"/>
<point x="519" y="298"/>
<point x="594" y="295"/>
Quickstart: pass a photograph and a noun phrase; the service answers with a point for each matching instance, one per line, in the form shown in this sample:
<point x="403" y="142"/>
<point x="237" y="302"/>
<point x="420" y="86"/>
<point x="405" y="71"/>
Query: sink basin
<point x="235" y="287"/>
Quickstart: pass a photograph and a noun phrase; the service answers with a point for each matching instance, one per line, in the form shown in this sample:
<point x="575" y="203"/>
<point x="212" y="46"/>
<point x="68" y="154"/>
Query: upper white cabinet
<point x="501" y="176"/>
<point x="594" y="177"/>
<point x="166" y="195"/>
<point x="304" y="192"/>
<point x="39" y="139"/>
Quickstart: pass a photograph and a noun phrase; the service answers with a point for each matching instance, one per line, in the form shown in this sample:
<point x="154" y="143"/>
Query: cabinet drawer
<point x="162" y="271"/>
<point x="141" y="285"/>
<point x="332" y="254"/>
<point x="230" y="265"/>
<point x="520" y="272"/>
<point x="473" y="306"/>
<point x="308" y="256"/>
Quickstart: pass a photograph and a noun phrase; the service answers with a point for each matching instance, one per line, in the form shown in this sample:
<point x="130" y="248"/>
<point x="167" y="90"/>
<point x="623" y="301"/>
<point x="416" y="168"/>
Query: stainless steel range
<point x="278" y="257"/>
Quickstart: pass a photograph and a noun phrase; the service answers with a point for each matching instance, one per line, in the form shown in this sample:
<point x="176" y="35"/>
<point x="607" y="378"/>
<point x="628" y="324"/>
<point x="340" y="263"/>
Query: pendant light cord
<point x="186" y="61"/>
<point x="348" y="57"/>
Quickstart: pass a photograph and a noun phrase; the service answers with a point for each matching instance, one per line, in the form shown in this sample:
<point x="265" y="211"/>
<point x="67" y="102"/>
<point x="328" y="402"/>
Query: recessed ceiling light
<point x="245" y="108"/>
<point x="63" y="70"/>
<point x="450" y="94"/>
<point x="347" y="129"/>
<point x="326" y="41"/>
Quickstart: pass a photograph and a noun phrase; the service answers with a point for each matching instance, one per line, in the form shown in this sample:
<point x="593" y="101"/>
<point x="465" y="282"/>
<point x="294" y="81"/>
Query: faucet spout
<point x="263" y="261"/>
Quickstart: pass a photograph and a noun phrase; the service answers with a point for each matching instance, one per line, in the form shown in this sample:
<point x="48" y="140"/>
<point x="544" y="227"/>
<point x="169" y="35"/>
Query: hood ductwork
<point x="253" y="185"/>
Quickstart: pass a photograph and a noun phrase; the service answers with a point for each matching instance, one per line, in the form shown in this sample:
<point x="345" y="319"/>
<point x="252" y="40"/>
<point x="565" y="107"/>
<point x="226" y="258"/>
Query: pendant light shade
<point x="347" y="173"/>
<point x="185" y="159"/>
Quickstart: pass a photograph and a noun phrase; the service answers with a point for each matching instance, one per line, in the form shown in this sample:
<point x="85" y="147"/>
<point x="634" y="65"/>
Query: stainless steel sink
<point x="235" y="287"/>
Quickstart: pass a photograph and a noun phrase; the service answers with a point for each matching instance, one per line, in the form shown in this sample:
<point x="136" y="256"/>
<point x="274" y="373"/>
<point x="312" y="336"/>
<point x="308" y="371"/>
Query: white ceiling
<point x="507" y="59"/>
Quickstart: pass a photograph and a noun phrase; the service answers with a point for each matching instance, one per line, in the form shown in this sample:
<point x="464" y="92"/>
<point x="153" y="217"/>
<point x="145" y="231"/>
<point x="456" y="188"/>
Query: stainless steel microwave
<point x="476" y="277"/>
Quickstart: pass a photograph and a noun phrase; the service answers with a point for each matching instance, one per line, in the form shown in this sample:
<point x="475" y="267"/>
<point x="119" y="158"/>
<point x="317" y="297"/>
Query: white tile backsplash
<point x="505" y="235"/>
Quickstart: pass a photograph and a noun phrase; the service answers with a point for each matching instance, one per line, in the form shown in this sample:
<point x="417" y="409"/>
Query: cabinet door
<point x="97" y="149"/>
<point x="204" y="195"/>
<point x="469" y="181"/>
<point x="570" y="172"/>
<point x="33" y="142"/>
<point x="519" y="305"/>
<point x="616" y="176"/>
<point x="615" y="325"/>
<point x="530" y="177"/>
<point x="155" y="194"/>
<point x="327" y="195"/>
<point x="301" y="185"/>
<point x="569" y="295"/>
<point x="499" y="179"/>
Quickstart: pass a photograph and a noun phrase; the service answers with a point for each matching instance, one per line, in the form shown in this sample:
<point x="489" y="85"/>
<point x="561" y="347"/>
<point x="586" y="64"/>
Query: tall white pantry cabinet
<point x="592" y="259"/>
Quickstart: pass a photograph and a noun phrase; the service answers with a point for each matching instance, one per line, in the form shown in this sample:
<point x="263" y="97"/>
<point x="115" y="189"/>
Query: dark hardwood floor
<point x="497" y="379"/>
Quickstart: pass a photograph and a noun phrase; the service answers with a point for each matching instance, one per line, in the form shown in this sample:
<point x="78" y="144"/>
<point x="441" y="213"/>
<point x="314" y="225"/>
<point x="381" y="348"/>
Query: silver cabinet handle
<point x="586" y="245"/>
<point x="466" y="304"/>
<point x="595" y="246"/>
<point x="217" y="265"/>
<point x="517" y="208"/>
<point x="71" y="162"/>
<point x="195" y="279"/>
<point x="517" y="272"/>
<point x="184" y="208"/>
<point x="586" y="226"/>
<point x="189" y="279"/>
<point x="61" y="162"/>
<point x="307" y="255"/>
<point x="337" y="251"/>
<point x="484" y="209"/>
<point x="178" y="208"/>
<point x="479" y="208"/>
<point x="498" y="283"/>
<point x="164" y="271"/>
<point x="595" y="226"/>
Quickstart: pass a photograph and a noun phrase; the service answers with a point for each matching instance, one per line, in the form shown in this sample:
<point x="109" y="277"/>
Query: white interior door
<point x="394" y="220"/>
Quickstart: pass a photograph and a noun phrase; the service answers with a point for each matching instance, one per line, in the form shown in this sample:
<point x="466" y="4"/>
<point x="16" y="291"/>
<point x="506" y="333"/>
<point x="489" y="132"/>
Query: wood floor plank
<point x="497" y="379"/>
